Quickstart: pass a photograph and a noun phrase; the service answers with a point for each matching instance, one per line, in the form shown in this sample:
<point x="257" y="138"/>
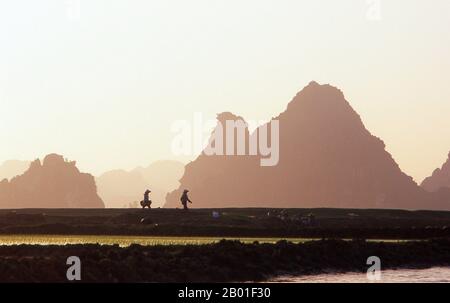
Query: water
<point x="125" y="241"/>
<point x="431" y="275"/>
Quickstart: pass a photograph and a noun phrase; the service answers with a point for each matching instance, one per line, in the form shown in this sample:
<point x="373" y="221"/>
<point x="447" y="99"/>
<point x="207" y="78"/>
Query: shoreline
<point x="226" y="261"/>
<point x="148" y="240"/>
<point x="389" y="275"/>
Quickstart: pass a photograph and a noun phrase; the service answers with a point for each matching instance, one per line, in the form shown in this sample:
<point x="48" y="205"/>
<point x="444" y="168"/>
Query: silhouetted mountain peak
<point x="11" y="168"/>
<point x="314" y="89"/>
<point x="327" y="158"/>
<point x="36" y="164"/>
<point x="228" y="116"/>
<point x="439" y="179"/>
<point x="53" y="183"/>
<point x="321" y="102"/>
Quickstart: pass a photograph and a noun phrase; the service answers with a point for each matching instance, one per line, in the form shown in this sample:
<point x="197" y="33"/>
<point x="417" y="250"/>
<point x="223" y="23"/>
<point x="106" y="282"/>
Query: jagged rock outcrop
<point x="54" y="183"/>
<point x="439" y="179"/>
<point x="11" y="168"/>
<point x="327" y="158"/>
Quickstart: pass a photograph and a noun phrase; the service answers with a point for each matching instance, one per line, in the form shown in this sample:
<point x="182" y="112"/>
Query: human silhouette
<point x="146" y="202"/>
<point x="185" y="199"/>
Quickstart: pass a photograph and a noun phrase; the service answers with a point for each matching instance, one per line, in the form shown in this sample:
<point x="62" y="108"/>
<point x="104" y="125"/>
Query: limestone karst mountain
<point x="439" y="179"/>
<point x="54" y="183"/>
<point x="327" y="158"/>
<point x="11" y="168"/>
<point x="120" y="188"/>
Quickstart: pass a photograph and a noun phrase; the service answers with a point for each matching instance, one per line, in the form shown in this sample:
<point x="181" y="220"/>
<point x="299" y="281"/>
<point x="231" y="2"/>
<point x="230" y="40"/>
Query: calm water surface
<point x="431" y="275"/>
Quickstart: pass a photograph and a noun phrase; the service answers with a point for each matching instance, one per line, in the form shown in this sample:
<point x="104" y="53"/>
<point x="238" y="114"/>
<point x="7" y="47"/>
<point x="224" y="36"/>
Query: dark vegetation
<point x="258" y="222"/>
<point x="221" y="262"/>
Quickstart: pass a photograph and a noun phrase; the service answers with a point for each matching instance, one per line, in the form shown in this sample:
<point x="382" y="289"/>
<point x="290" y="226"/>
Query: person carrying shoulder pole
<point x="146" y="202"/>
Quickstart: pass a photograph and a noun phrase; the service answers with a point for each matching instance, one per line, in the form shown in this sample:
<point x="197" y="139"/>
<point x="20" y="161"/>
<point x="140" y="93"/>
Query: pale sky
<point x="101" y="81"/>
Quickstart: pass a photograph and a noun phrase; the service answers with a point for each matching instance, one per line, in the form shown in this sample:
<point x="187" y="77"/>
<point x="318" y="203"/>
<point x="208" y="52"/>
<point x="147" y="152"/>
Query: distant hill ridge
<point x="54" y="183"/>
<point x="440" y="179"/>
<point x="11" y="168"/>
<point x="120" y="188"/>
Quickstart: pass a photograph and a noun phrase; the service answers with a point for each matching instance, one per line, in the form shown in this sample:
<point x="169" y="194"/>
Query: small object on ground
<point x="146" y="220"/>
<point x="283" y="215"/>
<point x="215" y="214"/>
<point x="308" y="220"/>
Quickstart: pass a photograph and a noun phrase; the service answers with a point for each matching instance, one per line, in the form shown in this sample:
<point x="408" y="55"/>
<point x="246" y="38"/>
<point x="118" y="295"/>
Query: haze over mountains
<point x="12" y="168"/>
<point x="120" y="188"/>
<point x="54" y="183"/>
<point x="327" y="159"/>
<point x="439" y="179"/>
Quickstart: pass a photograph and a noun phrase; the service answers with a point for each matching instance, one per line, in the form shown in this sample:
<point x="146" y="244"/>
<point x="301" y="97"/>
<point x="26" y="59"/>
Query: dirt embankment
<point x="326" y="223"/>
<point x="222" y="262"/>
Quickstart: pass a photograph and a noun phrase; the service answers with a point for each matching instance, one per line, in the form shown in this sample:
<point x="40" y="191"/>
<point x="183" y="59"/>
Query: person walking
<point x="185" y="199"/>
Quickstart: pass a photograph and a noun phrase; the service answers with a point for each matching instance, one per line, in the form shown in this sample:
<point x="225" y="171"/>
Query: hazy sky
<point x="101" y="82"/>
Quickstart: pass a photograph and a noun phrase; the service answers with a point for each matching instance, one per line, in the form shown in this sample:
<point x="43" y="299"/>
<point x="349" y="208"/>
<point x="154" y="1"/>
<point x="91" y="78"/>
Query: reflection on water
<point x="125" y="241"/>
<point x="431" y="275"/>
